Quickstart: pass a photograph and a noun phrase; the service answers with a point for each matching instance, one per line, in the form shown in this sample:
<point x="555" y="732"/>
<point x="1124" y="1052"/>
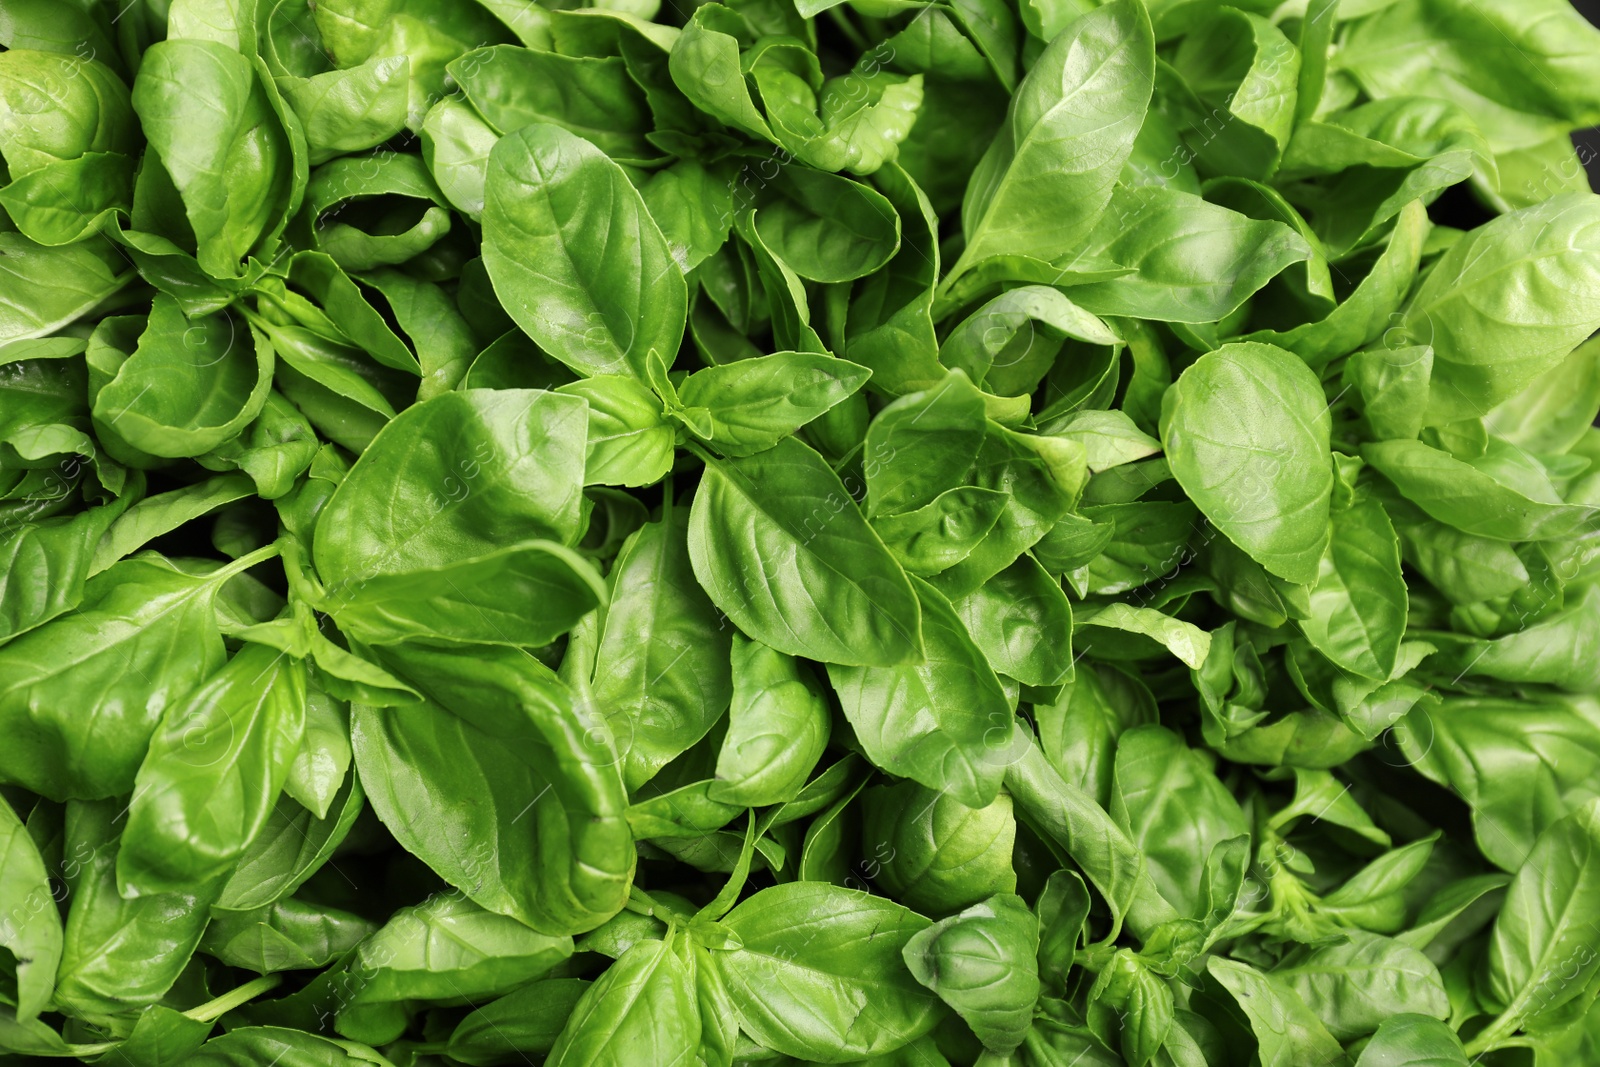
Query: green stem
<point x="430" y="1048"/>
<point x="639" y="902"/>
<point x="215" y="1009"/>
<point x="848" y="456"/>
<point x="1498" y="1033"/>
<point x="297" y="569"/>
<point x="248" y="560"/>
<point x="1488" y="1039"/>
<point x="82" y="1051"/>
<point x="852" y="34"/>
<point x="725" y="900"/>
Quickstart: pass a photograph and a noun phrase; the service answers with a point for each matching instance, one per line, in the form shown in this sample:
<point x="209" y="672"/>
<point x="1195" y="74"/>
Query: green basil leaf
<point x="1050" y="170"/>
<point x="32" y="930"/>
<point x="819" y="972"/>
<point x="778" y="727"/>
<point x="755" y="403"/>
<point x="1356" y="985"/>
<point x="562" y="856"/>
<point x="214" y="769"/>
<point x="780" y="546"/>
<point x="659" y="696"/>
<point x="982" y="963"/>
<point x="1258" y="467"/>
<point x="943" y="722"/>
<point x="1487" y="349"/>
<point x="1287" y="1031"/>
<point x="454" y="474"/>
<point x="644" y="1004"/>
<point x="597" y="313"/>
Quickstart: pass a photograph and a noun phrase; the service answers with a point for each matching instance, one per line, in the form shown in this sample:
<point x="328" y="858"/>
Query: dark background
<point x="1590" y="139"/>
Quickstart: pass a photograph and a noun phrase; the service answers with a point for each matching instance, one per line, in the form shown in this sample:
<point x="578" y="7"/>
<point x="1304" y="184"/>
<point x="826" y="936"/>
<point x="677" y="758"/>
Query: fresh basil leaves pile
<point x="781" y="531"/>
